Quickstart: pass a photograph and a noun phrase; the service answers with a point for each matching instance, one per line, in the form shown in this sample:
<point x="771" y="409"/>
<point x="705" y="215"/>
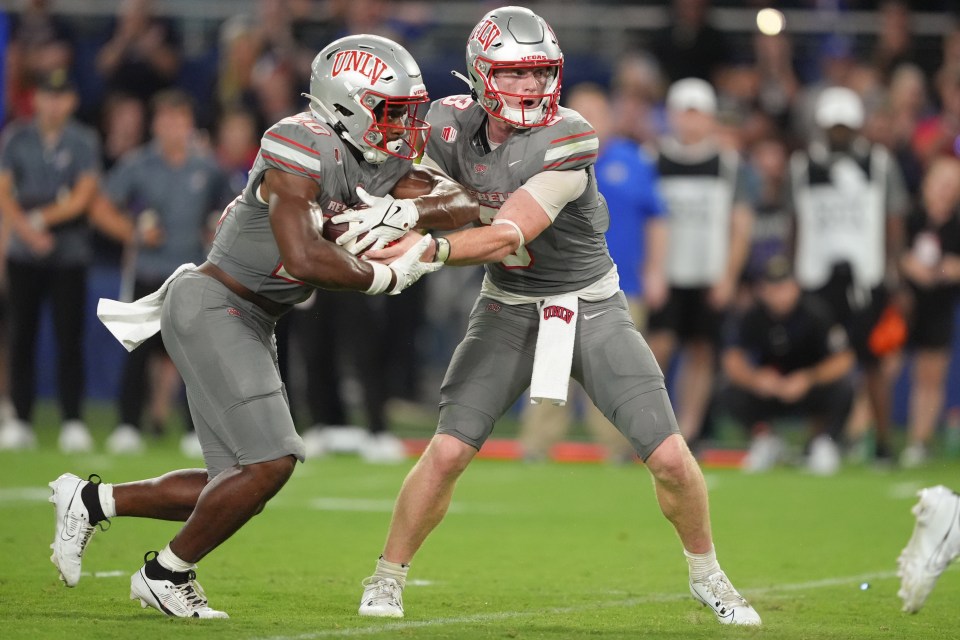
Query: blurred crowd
<point x="729" y="166"/>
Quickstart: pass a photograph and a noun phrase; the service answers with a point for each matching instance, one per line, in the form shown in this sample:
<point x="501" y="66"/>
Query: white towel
<point x="554" y="354"/>
<point x="133" y="322"/>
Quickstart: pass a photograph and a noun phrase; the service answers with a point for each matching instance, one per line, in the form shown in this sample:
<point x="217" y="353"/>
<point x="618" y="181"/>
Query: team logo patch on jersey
<point x="449" y="134"/>
<point x="555" y="311"/>
<point x="480" y="168"/>
<point x="234" y="312"/>
<point x="493" y="307"/>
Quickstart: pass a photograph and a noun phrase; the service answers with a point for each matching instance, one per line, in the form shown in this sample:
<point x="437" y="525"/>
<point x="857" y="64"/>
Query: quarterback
<point x="550" y="306"/>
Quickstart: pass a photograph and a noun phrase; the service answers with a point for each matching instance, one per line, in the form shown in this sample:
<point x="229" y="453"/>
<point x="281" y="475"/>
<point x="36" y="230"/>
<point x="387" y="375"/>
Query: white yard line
<point x="387" y="627"/>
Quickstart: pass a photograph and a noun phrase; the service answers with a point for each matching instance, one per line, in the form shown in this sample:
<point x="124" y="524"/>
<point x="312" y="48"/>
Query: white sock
<point x="702" y="565"/>
<point x="107" y="503"/>
<point x="169" y="560"/>
<point x="395" y="570"/>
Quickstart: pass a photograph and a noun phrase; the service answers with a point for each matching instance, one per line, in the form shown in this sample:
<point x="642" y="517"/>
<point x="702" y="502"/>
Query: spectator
<point x="142" y="57"/>
<point x="786" y="355"/>
<point x="49" y="168"/>
<point x="123" y="126"/>
<point x="772" y="225"/>
<point x="894" y="123"/>
<point x="690" y="47"/>
<point x="236" y="146"/>
<point x="41" y="44"/>
<point x="168" y="189"/>
<point x="938" y="135"/>
<point x="709" y="220"/>
<point x="849" y="198"/>
<point x="931" y="267"/>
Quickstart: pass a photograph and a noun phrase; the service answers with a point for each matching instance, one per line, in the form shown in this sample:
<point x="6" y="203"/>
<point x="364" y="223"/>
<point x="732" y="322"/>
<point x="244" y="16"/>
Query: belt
<point x="270" y="306"/>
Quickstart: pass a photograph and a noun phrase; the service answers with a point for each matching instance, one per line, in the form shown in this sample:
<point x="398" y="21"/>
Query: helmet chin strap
<point x="371" y="155"/>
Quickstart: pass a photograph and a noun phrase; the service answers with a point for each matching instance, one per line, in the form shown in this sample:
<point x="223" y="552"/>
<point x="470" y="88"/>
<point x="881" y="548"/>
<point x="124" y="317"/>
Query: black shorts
<point x="931" y="323"/>
<point x="858" y="311"/>
<point x="688" y="313"/>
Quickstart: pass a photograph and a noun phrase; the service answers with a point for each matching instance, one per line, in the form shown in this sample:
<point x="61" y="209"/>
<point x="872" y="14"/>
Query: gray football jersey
<point x="245" y="246"/>
<point x="571" y="253"/>
<point x="42" y="175"/>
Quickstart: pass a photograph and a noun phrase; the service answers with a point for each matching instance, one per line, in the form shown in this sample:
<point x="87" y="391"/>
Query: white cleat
<point x="183" y="600"/>
<point x="73" y="528"/>
<point x="16" y="435"/>
<point x="824" y="458"/>
<point x="125" y="440"/>
<point x="766" y="450"/>
<point x="382" y="598"/>
<point x="383" y="448"/>
<point x="935" y="543"/>
<point x="729" y="606"/>
<point x="74" y="437"/>
<point x="190" y="446"/>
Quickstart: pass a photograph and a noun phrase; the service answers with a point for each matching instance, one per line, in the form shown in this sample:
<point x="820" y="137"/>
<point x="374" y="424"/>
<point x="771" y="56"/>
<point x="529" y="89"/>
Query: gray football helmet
<point x="369" y="89"/>
<point x="514" y="38"/>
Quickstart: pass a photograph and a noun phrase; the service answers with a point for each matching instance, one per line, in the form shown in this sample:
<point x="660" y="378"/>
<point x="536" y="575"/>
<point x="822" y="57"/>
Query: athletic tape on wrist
<point x="442" y="250"/>
<point x="516" y="228"/>
<point x="381" y="278"/>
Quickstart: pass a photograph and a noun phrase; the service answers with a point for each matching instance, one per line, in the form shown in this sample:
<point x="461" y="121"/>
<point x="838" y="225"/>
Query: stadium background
<point x="592" y="36"/>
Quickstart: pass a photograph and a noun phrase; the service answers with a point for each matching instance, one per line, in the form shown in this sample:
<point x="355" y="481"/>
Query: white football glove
<point x="408" y="268"/>
<point x="384" y="220"/>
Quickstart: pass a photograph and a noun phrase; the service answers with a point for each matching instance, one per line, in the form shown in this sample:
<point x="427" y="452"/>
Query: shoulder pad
<point x="299" y="144"/>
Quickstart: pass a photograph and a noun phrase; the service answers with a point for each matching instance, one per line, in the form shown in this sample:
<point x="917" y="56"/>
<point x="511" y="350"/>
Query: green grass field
<point x="527" y="551"/>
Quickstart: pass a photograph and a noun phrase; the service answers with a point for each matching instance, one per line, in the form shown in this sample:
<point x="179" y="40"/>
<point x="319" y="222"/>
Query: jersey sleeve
<point x="297" y="145"/>
<point x="7" y="147"/>
<point x="572" y="143"/>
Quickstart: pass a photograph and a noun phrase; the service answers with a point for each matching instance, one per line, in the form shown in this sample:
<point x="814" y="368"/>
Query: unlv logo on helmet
<point x="485" y="33"/>
<point x="363" y="62"/>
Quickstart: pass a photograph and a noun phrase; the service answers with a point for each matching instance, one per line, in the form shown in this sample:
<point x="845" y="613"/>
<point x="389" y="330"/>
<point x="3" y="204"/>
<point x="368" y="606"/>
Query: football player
<point x="529" y="162"/>
<point x="218" y="320"/>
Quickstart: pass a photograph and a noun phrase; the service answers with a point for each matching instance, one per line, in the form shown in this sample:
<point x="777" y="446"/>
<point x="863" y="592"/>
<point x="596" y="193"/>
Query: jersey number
<point x="457" y="102"/>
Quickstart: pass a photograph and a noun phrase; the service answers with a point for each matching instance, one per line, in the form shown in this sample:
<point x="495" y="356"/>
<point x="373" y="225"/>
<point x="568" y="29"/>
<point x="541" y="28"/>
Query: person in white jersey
<point x="550" y="306"/>
<point x="218" y="320"/>
<point x="849" y="202"/>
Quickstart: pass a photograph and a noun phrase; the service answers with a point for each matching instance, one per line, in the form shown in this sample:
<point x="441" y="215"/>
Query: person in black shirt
<point x="931" y="267"/>
<point x="786" y="355"/>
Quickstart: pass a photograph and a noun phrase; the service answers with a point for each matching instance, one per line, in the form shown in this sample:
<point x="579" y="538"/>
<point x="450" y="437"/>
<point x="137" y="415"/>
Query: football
<point x="331" y="231"/>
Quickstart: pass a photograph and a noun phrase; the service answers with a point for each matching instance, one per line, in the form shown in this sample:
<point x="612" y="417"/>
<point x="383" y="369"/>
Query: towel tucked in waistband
<point x="133" y="322"/>
<point x="554" y="351"/>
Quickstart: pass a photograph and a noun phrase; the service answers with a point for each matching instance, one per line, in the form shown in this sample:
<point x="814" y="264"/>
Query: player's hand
<point x="386" y="255"/>
<point x="409" y="267"/>
<point x="384" y="220"/>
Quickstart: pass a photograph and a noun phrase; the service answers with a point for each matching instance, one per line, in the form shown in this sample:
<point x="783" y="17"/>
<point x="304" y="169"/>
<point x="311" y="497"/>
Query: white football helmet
<point x="514" y="38"/>
<point x="369" y="89"/>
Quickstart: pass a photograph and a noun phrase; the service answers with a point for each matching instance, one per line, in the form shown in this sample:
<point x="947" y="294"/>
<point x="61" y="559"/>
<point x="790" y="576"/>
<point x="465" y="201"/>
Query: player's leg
<point x="490" y="369"/>
<point x="245" y="413"/>
<point x="619" y="373"/>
